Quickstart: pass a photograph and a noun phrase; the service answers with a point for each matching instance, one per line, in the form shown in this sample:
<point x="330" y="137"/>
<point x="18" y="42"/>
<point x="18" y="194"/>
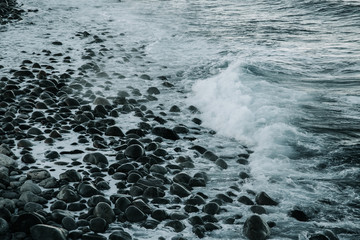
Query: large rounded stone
<point x="211" y="208"/>
<point x="86" y="189"/>
<point x="263" y="199"/>
<point x="25" y="221"/>
<point x="68" y="195"/>
<point x="255" y="228"/>
<point x="114" y="131"/>
<point x="179" y="190"/>
<point x="103" y="210"/>
<point x="31" y="197"/>
<point x="134" y="151"/>
<point x="98" y="225"/>
<point x="134" y="214"/>
<point x="43" y="231"/>
<point x="177" y="225"/>
<point x="96" y="158"/>
<point x="101" y="101"/>
<point x="165" y="133"/>
<point x="6" y="161"/>
<point x="30" y="186"/>
<point x="69" y="223"/>
<point x="70" y="175"/>
<point x="38" y="174"/>
<point x="4" y="226"/>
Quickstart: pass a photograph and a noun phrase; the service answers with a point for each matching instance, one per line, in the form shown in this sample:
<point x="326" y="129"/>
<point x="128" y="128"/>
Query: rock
<point x="157" y="168"/>
<point x="96" y="158"/>
<point x="59" y="204"/>
<point x="120" y="235"/>
<point x="43" y="231"/>
<point x="159" y="214"/>
<point x="263" y="199"/>
<point x="70" y="175"/>
<point x="52" y="155"/>
<point x="28" y="158"/>
<point x="68" y="223"/>
<point x="103" y="210"/>
<point x="94" y="200"/>
<point x="258" y="209"/>
<point x="31" y="197"/>
<point x="93" y="236"/>
<point x="76" y="206"/>
<point x="38" y="174"/>
<point x="68" y="195"/>
<point x="177" y="225"/>
<point x="86" y="189"/>
<point x="245" y="200"/>
<point x="98" y="225"/>
<point x="6" y="161"/>
<point x="221" y="163"/>
<point x="30" y="186"/>
<point x="25" y="221"/>
<point x="122" y="203"/>
<point x="179" y="190"/>
<point x="299" y="215"/>
<point x="255" y="228"/>
<point x="24" y="73"/>
<point x="210" y="155"/>
<point x="199" y="231"/>
<point x="50" y="182"/>
<point x="101" y="101"/>
<point x="134" y="151"/>
<point x="165" y="133"/>
<point x="4" y="227"/>
<point x="182" y="178"/>
<point x="211" y="208"/>
<point x="134" y="214"/>
<point x="153" y="192"/>
<point x="114" y="131"/>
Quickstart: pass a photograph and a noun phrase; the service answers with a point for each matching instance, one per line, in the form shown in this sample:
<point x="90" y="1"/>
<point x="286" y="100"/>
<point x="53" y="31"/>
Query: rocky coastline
<point x="9" y="11"/>
<point x="114" y="178"/>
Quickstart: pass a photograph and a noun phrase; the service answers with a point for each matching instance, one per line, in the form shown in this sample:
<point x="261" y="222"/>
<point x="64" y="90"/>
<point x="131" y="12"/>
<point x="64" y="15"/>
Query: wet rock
<point x="157" y="168"/>
<point x="245" y="200"/>
<point x="263" y="199"/>
<point x="324" y="235"/>
<point x="92" y="236"/>
<point x="182" y="178"/>
<point x="24" y="73"/>
<point x="258" y="209"/>
<point x="70" y="175"/>
<point x="122" y="203"/>
<point x="134" y="214"/>
<point x="210" y="156"/>
<point x="86" y="189"/>
<point x="299" y="215"/>
<point x="42" y="231"/>
<point x="224" y="198"/>
<point x="68" y="195"/>
<point x="31" y="197"/>
<point x="174" y="109"/>
<point x="179" y="190"/>
<point x="199" y="231"/>
<point x="25" y="221"/>
<point x="221" y="163"/>
<point x="165" y="133"/>
<point x="120" y="235"/>
<point x="52" y="155"/>
<point x="98" y="225"/>
<point x="211" y="208"/>
<point x="74" y="207"/>
<point x="103" y="210"/>
<point x="134" y="151"/>
<point x="153" y="192"/>
<point x="6" y="161"/>
<point x="28" y="158"/>
<point x="31" y="187"/>
<point x="23" y="143"/>
<point x="150" y="224"/>
<point x="94" y="200"/>
<point x="101" y="101"/>
<point x="68" y="223"/>
<point x="153" y="91"/>
<point x="50" y="182"/>
<point x="59" y="204"/>
<point x="114" y="131"/>
<point x="96" y="158"/>
<point x="159" y="214"/>
<point x="255" y="228"/>
<point x="177" y="225"/>
<point x="38" y="174"/>
<point x="4" y="227"/>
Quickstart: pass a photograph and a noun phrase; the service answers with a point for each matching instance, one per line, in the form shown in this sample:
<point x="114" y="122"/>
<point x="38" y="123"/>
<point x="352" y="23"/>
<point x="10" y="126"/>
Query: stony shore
<point x="9" y="11"/>
<point x="115" y="178"/>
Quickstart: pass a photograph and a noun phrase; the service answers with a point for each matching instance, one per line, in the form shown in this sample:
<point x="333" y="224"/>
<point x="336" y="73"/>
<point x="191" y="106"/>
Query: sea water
<point x="281" y="77"/>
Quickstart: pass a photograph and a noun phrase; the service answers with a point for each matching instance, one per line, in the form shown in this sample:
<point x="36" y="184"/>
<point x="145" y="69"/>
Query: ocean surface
<point x="281" y="77"/>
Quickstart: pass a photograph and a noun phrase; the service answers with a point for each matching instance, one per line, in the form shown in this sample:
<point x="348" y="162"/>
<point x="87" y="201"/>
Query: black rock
<point x="98" y="225"/>
<point x="38" y="174"/>
<point x="150" y="224"/>
<point x="94" y="200"/>
<point x="153" y="90"/>
<point x="42" y="231"/>
<point x="182" y="178"/>
<point x="165" y="133"/>
<point x="103" y="210"/>
<point x="25" y="221"/>
<point x="199" y="231"/>
<point x="177" y="225"/>
<point x="70" y="175"/>
<point x="68" y="223"/>
<point x="263" y="199"/>
<point x="255" y="228"/>
<point x="4" y="227"/>
<point x="92" y="236"/>
<point x="59" y="204"/>
<point x="134" y="151"/>
<point x="245" y="200"/>
<point x="159" y="214"/>
<point x="74" y="207"/>
<point x="258" y="209"/>
<point x="211" y="208"/>
<point x="221" y="163"/>
<point x="114" y="131"/>
<point x="96" y="158"/>
<point x="179" y="190"/>
<point x="299" y="215"/>
<point x="122" y="203"/>
<point x="32" y="207"/>
<point x="68" y="195"/>
<point x="210" y="155"/>
<point x="134" y="214"/>
<point x="120" y="235"/>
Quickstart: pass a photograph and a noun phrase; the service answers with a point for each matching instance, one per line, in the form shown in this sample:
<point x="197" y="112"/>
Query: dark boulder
<point x="42" y="231"/>
<point x="165" y="133"/>
<point x="134" y="214"/>
<point x="255" y="228"/>
<point x="103" y="210"/>
<point x="263" y="199"/>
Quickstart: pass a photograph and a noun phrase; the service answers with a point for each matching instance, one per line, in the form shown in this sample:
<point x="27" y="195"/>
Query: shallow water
<point x="281" y="77"/>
